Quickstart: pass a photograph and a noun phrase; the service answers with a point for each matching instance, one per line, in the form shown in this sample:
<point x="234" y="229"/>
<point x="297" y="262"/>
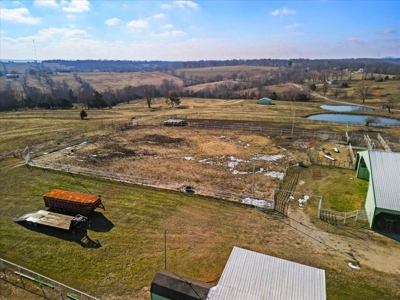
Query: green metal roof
<point x="385" y="177"/>
<point x="265" y="101"/>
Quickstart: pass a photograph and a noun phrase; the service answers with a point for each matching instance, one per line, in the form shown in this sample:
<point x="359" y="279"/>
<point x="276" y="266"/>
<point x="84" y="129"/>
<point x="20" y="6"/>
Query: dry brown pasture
<point x="225" y="71"/>
<point x="213" y="159"/>
<point x="105" y="80"/>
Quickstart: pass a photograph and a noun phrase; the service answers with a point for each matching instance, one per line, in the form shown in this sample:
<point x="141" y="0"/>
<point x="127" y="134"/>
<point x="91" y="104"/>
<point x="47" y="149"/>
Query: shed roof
<point x="385" y="177"/>
<point x="254" y="276"/>
<point x="264" y="100"/>
<point x="72" y="196"/>
<point x="173" y="286"/>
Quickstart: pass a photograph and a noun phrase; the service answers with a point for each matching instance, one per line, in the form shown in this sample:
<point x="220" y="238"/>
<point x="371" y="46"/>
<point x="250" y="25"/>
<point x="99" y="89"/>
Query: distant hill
<point x="385" y="65"/>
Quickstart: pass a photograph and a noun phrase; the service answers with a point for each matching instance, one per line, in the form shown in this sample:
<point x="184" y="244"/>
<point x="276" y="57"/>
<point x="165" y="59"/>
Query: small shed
<point x="265" y="101"/>
<point x="167" y="285"/>
<point x="382" y="170"/>
<point x="254" y="276"/>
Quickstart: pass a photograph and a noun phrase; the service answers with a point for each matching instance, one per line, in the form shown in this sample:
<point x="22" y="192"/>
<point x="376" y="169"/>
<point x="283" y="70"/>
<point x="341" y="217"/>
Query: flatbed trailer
<point x="62" y="201"/>
<point x="51" y="219"/>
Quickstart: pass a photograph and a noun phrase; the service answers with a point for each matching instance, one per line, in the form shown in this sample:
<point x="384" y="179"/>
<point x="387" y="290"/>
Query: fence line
<point x="368" y="141"/>
<point x="281" y="131"/>
<point x="334" y="217"/>
<point x="321" y="161"/>
<point x="225" y="195"/>
<point x="383" y="143"/>
<point x="352" y="156"/>
<point x="58" y="289"/>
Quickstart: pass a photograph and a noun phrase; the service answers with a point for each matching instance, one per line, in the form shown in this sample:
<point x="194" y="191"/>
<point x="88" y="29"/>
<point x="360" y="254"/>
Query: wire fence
<point x="337" y="218"/>
<point x="258" y="202"/>
<point x="38" y="284"/>
<point x="324" y="161"/>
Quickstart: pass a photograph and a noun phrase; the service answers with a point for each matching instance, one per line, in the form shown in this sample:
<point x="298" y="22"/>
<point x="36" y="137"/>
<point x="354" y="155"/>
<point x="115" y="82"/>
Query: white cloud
<point x="166" y="26"/>
<point x="293" y="26"/>
<point x="62" y="32"/>
<point x="169" y="33"/>
<point x="190" y="4"/>
<point x="71" y="17"/>
<point x="20" y="15"/>
<point x="165" y="6"/>
<point x="388" y="30"/>
<point x="137" y="25"/>
<point x="17" y="3"/>
<point x="47" y="3"/>
<point x="158" y="16"/>
<point x="283" y="11"/>
<point x="113" y="21"/>
<point x="355" y="40"/>
<point x="76" y="6"/>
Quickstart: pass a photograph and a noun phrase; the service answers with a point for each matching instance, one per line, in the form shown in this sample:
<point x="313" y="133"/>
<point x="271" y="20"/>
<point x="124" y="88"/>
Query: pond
<point x="344" y="107"/>
<point x="352" y="119"/>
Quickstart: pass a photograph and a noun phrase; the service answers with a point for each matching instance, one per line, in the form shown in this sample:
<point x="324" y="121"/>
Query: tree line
<point x="383" y="66"/>
<point x="59" y="95"/>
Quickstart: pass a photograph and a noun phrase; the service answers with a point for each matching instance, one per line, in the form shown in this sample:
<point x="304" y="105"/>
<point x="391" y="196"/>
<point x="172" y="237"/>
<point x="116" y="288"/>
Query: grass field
<point x="201" y="235"/>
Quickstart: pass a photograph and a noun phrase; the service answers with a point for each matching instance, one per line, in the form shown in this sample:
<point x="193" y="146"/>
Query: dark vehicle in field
<point x="66" y="201"/>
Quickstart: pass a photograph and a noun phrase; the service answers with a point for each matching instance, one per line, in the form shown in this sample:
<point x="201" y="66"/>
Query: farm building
<point x="252" y="275"/>
<point x="168" y="286"/>
<point x="265" y="101"/>
<point x="382" y="170"/>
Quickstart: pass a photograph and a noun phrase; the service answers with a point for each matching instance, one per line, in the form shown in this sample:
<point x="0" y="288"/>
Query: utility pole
<point x="252" y="181"/>
<point x="294" y="114"/>
<point x="165" y="248"/>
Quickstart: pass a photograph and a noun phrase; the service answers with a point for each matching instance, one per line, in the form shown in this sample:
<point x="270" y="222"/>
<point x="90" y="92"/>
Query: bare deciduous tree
<point x="364" y="91"/>
<point x="370" y="120"/>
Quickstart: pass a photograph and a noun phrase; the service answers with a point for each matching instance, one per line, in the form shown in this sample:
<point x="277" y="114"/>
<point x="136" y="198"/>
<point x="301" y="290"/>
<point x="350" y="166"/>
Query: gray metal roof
<point x="254" y="276"/>
<point x="385" y="173"/>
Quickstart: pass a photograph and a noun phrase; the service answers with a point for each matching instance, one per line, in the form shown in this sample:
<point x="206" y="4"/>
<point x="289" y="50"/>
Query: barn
<point x="265" y="101"/>
<point x="382" y="170"/>
<point x="168" y="285"/>
<point x="252" y="275"/>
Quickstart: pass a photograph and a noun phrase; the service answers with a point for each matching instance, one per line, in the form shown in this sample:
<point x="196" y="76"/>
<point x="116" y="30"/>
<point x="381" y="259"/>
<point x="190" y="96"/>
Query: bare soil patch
<point x="214" y="159"/>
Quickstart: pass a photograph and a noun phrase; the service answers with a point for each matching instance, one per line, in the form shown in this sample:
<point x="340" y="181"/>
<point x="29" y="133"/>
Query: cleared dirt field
<point x="214" y="159"/>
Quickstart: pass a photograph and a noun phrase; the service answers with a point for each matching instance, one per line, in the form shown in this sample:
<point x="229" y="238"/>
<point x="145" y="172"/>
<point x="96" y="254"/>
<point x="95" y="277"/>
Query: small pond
<point x="344" y="107"/>
<point x="352" y="119"/>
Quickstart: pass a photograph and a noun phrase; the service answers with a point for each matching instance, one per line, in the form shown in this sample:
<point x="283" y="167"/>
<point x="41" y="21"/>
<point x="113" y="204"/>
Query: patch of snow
<point x="234" y="162"/>
<point x="188" y="158"/>
<point x="271" y="157"/>
<point x="274" y="174"/>
<point x="256" y="202"/>
<point x="235" y="172"/>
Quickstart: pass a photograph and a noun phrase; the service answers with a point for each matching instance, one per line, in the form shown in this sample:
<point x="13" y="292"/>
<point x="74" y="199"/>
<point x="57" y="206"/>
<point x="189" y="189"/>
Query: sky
<point x="198" y="30"/>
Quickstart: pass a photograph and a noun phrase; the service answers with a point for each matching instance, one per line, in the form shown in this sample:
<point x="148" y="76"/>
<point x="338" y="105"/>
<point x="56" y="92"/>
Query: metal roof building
<point x="382" y="169"/>
<point x="254" y="276"/>
<point x="265" y="101"/>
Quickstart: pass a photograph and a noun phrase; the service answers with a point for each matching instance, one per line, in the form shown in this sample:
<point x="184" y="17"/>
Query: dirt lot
<point x="214" y="159"/>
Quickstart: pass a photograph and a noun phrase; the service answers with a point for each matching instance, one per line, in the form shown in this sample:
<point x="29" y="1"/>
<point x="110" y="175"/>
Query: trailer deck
<point x="51" y="219"/>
